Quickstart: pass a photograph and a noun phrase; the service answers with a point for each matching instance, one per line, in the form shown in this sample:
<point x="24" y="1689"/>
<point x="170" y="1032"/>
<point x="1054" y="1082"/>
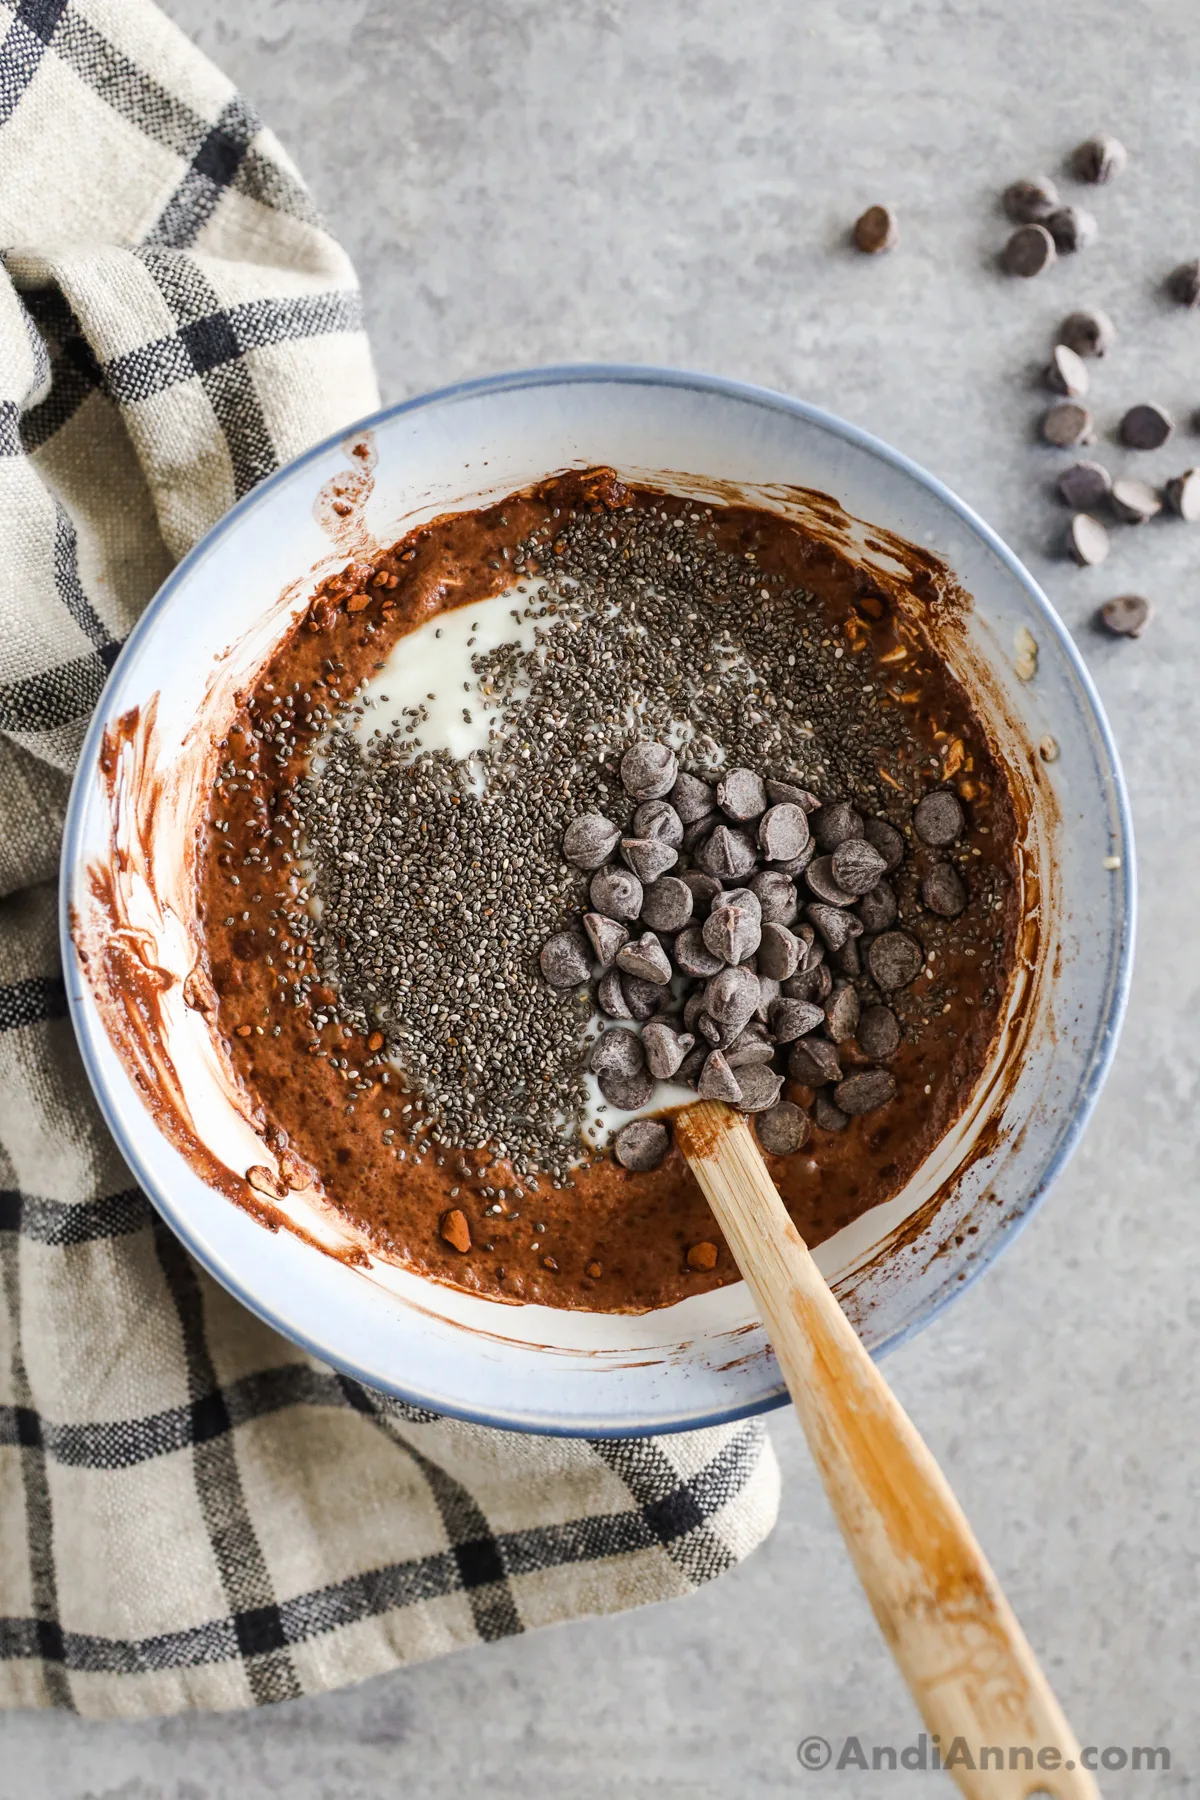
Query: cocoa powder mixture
<point x="610" y="1239"/>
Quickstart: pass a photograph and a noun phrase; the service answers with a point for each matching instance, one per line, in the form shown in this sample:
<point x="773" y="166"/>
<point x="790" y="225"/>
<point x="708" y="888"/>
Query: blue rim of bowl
<point x="1120" y="967"/>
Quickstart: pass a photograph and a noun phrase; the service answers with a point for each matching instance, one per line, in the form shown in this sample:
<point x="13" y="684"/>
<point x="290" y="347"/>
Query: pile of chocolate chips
<point x="730" y="923"/>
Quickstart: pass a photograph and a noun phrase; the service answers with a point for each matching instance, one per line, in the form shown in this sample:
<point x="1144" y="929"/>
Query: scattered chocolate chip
<point x="617" y="1052"/>
<point x="1029" y="202"/>
<point x="709" y="1030"/>
<point x="1066" y="373"/>
<point x="1135" y="501"/>
<point x="693" y="1006"/>
<point x="813" y="984"/>
<point x="642" y="1144"/>
<point x="876" y="230"/>
<point x="783" y="831"/>
<point x="884" y="837"/>
<point x="1146" y="426"/>
<point x="617" y="893"/>
<point x="643" y="998"/>
<point x="826" y="1116"/>
<point x="1084" y="485"/>
<point x="703" y="889"/>
<point x="878" y="1033"/>
<point x="878" y="909"/>
<point x="841" y="1013"/>
<point x="693" y="955"/>
<point x="649" y="857"/>
<point x="1126" y="616"/>
<point x="455" y="1230"/>
<point x="834" y="925"/>
<point x="645" y="958"/>
<point x="782" y="1129"/>
<point x="702" y="1256"/>
<point x="1183" y="495"/>
<point x="831" y="825"/>
<point x="857" y="866"/>
<point x="781" y="793"/>
<point x="695" y="833"/>
<point x="820" y="877"/>
<point x="689" y="1069"/>
<point x="943" y="890"/>
<point x="895" y="958"/>
<point x="938" y="819"/>
<point x="813" y="1061"/>
<point x="776" y="895"/>
<point x="1087" y="540"/>
<point x="658" y="819"/>
<point x="769" y="990"/>
<point x="1028" y="251"/>
<point x="796" y="865"/>
<point x="865" y="1091"/>
<point x="727" y="854"/>
<point x="848" y="960"/>
<point x="741" y="795"/>
<point x="753" y="1046"/>
<point x="589" y="840"/>
<point x="692" y="798"/>
<point x="738" y="896"/>
<point x="626" y="1092"/>
<point x="1089" y="332"/>
<point x="606" y="936"/>
<point x="778" y="952"/>
<point x="1066" y="424"/>
<point x="1072" y="228"/>
<point x="564" y="959"/>
<point x="730" y="999"/>
<point x="648" y="770"/>
<point x="1183" y="283"/>
<point x="718" y="1081"/>
<point x="610" y="996"/>
<point x="1099" y="159"/>
<point x="792" y="1019"/>
<point x="733" y="931"/>
<point x="760" y="1087"/>
<point x="667" y="904"/>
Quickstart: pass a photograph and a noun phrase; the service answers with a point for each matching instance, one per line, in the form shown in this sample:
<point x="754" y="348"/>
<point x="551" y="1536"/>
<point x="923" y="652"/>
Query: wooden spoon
<point x="952" y="1632"/>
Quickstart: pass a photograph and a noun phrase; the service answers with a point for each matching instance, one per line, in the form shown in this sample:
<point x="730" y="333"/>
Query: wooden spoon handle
<point x="952" y="1632"/>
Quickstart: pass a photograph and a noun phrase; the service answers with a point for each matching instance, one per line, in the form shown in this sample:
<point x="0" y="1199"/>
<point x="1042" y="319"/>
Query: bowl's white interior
<point x="707" y="1357"/>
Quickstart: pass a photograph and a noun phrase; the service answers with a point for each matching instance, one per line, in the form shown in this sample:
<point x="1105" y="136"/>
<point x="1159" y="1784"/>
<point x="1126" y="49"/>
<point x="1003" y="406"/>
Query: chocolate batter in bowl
<point x="270" y="1097"/>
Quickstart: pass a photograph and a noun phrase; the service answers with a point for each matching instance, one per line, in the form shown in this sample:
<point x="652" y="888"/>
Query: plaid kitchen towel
<point x="192" y="1511"/>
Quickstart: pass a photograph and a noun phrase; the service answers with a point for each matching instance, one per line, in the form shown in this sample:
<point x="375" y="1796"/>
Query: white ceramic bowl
<point x="706" y="1359"/>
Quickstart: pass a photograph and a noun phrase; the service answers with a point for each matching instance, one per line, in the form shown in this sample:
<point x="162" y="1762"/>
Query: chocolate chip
<point x="783" y="831"/>
<point x="1099" y="159"/>
<point x="730" y="998"/>
<point x="617" y="893"/>
<point x="781" y="793"/>
<point x="589" y="840"/>
<point x="821" y="879"/>
<point x="643" y="998"/>
<point x="617" y="1053"/>
<point x="727" y="854"/>
<point x="718" y="1081"/>
<point x="1067" y="373"/>
<point x="649" y="857"/>
<point x="1029" y="202"/>
<point x="626" y="1092"/>
<point x="834" y="925"/>
<point x="796" y="865"/>
<point x="895" y="958"/>
<point x="667" y="904"/>
<point x="709" y="1030"/>
<point x="741" y="795"/>
<point x="610" y="996"/>
<point x="665" y="1048"/>
<point x="776" y="895"/>
<point x="809" y="984"/>
<point x="1183" y="283"/>
<point x="831" y="825"/>
<point x="703" y="889"/>
<point x="753" y="1046"/>
<point x="826" y="1116"/>
<point x="778" y="952"/>
<point x="1067" y="423"/>
<point x="1089" y="332"/>
<point x="883" y="836"/>
<point x="692" y="798"/>
<point x="1183" y="495"/>
<point x="1146" y="426"/>
<point x="606" y="937"/>
<point x="564" y="959"/>
<point x="693" y="955"/>
<point x="813" y="1061"/>
<point x="782" y="1129"/>
<point x="769" y="990"/>
<point x="1126" y="616"/>
<point x="689" y="1069"/>
<point x="642" y="1144"/>
<point x="1084" y="485"/>
<point x="648" y="770"/>
<point x="943" y="890"/>
<point x="645" y="958"/>
<point x="1072" y="228"/>
<point x="658" y="819"/>
<point x="841" y="1013"/>
<point x="938" y="819"/>
<point x="878" y="1033"/>
<point x="738" y="896"/>
<point x="848" y="960"/>
<point x="792" y="1019"/>
<point x="1135" y="501"/>
<point x="733" y="932"/>
<point x="692" y="1008"/>
<point x="1087" y="540"/>
<point x="876" y="230"/>
<point x="857" y="866"/>
<point x="878" y="909"/>
<point x="1028" y="251"/>
<point x="865" y="1091"/>
<point x="760" y="1087"/>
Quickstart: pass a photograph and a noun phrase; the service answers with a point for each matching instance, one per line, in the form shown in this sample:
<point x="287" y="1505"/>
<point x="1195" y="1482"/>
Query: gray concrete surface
<point x="522" y="181"/>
